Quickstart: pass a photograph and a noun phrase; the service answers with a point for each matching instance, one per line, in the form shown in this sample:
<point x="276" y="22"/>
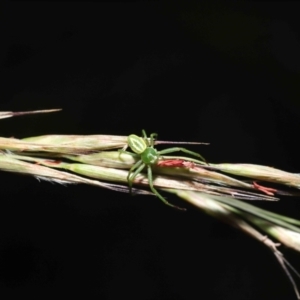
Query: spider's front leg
<point x="150" y="179"/>
<point x="136" y="169"/>
<point x="127" y="152"/>
<point x="152" y="137"/>
<point x="178" y="149"/>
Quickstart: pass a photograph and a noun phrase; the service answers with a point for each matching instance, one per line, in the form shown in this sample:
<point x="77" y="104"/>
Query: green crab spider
<point x="149" y="156"/>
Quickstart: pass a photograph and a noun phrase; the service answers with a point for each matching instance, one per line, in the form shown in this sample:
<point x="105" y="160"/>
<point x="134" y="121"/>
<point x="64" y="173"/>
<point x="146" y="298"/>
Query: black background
<point x="227" y="73"/>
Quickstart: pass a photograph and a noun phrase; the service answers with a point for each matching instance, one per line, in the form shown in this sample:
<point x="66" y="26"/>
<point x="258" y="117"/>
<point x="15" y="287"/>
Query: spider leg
<point x="144" y="134"/>
<point x="127" y="152"/>
<point x="136" y="169"/>
<point x="177" y="149"/>
<point x="150" y="179"/>
<point x="124" y="148"/>
<point x="145" y="138"/>
<point x="152" y="136"/>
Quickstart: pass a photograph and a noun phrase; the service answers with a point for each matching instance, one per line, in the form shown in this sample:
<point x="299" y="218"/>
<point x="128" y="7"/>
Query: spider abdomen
<point x="137" y="144"/>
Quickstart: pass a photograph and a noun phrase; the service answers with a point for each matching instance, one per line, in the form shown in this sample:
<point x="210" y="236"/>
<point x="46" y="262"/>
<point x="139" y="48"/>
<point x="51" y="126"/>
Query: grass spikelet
<point x="93" y="160"/>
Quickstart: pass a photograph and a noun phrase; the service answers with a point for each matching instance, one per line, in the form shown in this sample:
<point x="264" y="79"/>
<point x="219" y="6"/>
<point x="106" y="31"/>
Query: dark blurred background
<point x="222" y="72"/>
